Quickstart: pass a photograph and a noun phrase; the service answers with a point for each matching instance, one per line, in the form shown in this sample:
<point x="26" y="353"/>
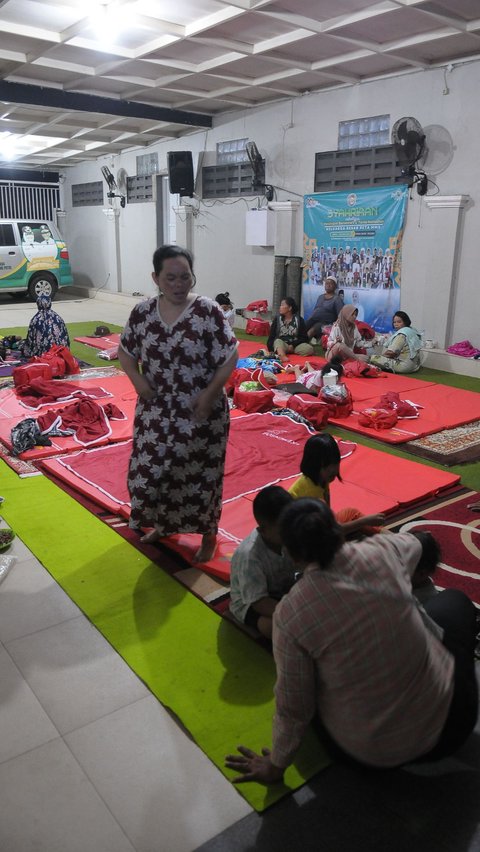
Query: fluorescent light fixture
<point x="14" y="147"/>
<point x="108" y="20"/>
<point x="7" y="146"/>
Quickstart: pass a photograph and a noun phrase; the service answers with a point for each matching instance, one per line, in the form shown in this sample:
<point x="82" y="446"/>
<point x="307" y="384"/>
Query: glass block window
<point x="147" y="164"/>
<point x="232" y="152"/>
<point x="364" y="132"/>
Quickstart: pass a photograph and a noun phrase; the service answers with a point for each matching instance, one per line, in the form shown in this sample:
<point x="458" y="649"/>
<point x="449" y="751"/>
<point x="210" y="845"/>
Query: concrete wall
<point x="288" y="134"/>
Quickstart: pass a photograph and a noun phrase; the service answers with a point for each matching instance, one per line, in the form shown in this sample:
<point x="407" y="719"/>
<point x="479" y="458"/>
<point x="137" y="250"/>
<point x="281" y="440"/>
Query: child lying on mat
<point x="314" y="379"/>
<point x="261" y="573"/>
<point x="321" y="465"/>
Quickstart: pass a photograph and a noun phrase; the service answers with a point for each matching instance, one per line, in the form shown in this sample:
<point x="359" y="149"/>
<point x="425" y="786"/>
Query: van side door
<point x="13" y="264"/>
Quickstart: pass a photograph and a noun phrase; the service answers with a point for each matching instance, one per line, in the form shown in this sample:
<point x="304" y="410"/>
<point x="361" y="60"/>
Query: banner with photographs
<point x="356" y="237"/>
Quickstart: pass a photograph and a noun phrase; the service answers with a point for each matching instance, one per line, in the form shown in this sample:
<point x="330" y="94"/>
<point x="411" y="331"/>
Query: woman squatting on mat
<point x="178" y="351"/>
<point x="354" y="653"/>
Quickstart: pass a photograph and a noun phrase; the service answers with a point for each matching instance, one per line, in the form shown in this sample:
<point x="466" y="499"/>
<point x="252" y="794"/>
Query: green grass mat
<point x="214" y="678"/>
<point x="76" y="329"/>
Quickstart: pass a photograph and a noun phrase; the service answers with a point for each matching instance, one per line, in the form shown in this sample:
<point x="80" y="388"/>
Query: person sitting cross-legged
<point x="261" y="573"/>
<point x="288" y="332"/>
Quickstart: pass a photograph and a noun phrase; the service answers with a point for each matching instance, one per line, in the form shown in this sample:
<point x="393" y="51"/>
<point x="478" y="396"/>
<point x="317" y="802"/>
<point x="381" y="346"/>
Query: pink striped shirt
<point x="350" y="644"/>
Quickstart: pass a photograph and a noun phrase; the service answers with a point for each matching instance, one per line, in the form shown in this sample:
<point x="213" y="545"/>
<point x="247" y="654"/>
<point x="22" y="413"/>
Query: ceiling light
<point x="8" y="149"/>
<point x="108" y="20"/>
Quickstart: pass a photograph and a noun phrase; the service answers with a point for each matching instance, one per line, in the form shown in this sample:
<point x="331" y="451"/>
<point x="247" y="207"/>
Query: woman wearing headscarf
<point x="401" y="353"/>
<point x="46" y="329"/>
<point x="345" y="336"/>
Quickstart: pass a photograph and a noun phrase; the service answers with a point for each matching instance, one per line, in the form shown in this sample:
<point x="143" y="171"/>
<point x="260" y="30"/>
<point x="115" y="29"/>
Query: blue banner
<point x="357" y="238"/>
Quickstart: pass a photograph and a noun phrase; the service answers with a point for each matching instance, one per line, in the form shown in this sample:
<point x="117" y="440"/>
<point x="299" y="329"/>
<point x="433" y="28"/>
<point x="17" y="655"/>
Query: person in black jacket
<point x="288" y="332"/>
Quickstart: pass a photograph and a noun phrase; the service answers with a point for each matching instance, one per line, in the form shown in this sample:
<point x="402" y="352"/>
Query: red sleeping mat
<point x="457" y="530"/>
<point x="363" y="388"/>
<point x="118" y="391"/>
<point x="372" y="481"/>
<point x="443" y="408"/>
<point x="100" y="342"/>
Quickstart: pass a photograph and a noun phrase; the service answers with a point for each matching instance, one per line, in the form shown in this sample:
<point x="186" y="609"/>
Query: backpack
<point x="60" y="360"/>
<point x="24" y="374"/>
<point x="403" y="407"/>
<point x="253" y="401"/>
<point x="377" y="418"/>
<point x="338" y="398"/>
<point x="311" y="408"/>
<point x="258" y="327"/>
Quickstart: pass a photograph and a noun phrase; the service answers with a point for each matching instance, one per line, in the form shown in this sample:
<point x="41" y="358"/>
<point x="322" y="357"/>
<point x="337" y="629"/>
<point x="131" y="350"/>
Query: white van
<point x="33" y="258"/>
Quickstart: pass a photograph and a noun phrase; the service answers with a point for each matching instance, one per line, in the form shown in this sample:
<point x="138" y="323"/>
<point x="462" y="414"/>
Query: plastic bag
<point x="6" y="563"/>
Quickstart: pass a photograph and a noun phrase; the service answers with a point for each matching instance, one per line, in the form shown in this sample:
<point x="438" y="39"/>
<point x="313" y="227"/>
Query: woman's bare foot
<point x="150" y="537"/>
<point x="207" y="548"/>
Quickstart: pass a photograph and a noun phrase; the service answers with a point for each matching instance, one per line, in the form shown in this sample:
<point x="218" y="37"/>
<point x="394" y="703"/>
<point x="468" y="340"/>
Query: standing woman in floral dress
<point x="178" y="351"/>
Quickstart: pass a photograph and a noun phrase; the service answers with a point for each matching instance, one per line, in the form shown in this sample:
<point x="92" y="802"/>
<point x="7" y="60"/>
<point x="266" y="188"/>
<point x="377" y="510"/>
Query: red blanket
<point x="43" y="392"/>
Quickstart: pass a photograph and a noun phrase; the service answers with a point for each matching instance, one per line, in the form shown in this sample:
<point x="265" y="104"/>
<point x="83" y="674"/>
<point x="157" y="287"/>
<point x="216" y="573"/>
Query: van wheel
<point x="43" y="284"/>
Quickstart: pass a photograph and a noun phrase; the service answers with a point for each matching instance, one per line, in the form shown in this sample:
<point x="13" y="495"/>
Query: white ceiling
<point x="197" y="56"/>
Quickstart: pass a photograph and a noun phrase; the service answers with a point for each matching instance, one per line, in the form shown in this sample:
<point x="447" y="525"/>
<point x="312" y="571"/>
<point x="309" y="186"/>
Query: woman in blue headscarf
<point x="46" y="329"/>
<point x="401" y="353"/>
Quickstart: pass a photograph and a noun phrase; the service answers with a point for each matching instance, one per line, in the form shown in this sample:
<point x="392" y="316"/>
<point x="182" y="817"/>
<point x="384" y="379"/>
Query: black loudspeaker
<point x="180" y="172"/>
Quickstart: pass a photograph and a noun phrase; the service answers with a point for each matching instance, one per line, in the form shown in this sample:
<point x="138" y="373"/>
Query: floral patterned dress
<point x="175" y="476"/>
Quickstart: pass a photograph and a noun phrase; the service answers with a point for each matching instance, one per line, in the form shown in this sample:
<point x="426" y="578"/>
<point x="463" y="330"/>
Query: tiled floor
<point x="91" y="762"/>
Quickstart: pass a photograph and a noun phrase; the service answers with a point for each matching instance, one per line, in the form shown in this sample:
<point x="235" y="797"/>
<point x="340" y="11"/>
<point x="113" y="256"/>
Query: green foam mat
<point x="214" y="678"/>
<point x="75" y="329"/>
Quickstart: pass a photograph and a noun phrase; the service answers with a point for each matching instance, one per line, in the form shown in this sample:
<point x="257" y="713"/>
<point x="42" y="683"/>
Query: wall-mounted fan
<point x="112" y="186"/>
<point x="408" y="137"/>
<point x="438" y="150"/>
<point x="258" y="168"/>
<point x="122" y="176"/>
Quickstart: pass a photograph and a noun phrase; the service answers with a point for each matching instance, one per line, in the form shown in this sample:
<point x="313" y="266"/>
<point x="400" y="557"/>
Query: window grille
<point x="359" y="167"/>
<point x="231" y="181"/>
<point x="87" y="194"/>
<point x="139" y="189"/>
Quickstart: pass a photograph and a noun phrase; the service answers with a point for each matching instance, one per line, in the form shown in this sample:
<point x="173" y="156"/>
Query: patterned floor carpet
<point x="450" y="446"/>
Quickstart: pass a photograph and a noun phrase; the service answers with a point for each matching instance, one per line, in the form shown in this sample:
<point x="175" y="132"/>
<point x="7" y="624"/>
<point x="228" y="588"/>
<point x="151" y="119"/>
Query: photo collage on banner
<point x="356" y="237"/>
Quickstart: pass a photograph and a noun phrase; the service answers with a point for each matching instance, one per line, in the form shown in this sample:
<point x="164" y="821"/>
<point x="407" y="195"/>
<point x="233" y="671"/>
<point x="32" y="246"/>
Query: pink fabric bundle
<point x="464" y="348"/>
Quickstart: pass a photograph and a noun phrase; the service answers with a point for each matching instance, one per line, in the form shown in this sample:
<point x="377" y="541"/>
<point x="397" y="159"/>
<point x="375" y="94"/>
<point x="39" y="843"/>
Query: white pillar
<point x="443" y="245"/>
<point x="184" y="229"/>
<point x="285" y="225"/>
<point x="112" y="215"/>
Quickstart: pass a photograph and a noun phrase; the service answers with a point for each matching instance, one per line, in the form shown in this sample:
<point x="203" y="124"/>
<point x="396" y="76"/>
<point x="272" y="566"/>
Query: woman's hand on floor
<point x="253" y="767"/>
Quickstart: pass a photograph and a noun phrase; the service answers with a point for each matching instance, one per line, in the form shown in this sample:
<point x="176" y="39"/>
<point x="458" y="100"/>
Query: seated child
<point x="223" y="299"/>
<point x="260" y="572"/>
<point x="423" y="586"/>
<point x="313" y="379"/>
<point x="320" y="465"/>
